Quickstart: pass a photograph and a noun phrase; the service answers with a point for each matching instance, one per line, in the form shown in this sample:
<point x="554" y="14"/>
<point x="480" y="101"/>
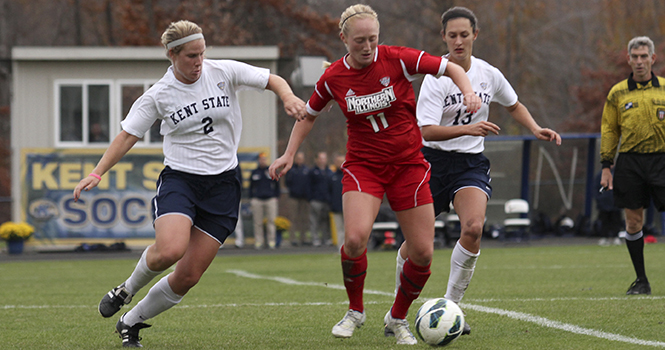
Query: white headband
<point x="184" y="40"/>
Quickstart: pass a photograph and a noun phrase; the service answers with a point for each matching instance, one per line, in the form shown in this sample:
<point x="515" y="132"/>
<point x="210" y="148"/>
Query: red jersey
<point x="379" y="103"/>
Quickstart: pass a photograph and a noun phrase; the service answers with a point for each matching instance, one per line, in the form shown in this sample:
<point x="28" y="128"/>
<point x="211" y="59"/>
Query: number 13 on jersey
<point x="375" y="125"/>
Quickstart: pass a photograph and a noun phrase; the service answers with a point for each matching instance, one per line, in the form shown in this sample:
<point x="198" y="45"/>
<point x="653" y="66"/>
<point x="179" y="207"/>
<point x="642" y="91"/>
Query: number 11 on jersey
<point x="375" y="125"/>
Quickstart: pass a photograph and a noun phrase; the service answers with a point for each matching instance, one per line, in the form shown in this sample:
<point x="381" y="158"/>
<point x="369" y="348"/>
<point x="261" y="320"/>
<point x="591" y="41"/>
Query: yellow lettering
<point x="121" y="170"/>
<point x="70" y="175"/>
<point x="44" y="175"/>
<point x="151" y="171"/>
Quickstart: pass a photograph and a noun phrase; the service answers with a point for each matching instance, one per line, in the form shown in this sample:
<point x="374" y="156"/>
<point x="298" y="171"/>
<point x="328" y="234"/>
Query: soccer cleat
<point x="130" y="335"/>
<point x="467" y="329"/>
<point x="399" y="328"/>
<point x="639" y="287"/>
<point x="352" y="320"/>
<point x="114" y="300"/>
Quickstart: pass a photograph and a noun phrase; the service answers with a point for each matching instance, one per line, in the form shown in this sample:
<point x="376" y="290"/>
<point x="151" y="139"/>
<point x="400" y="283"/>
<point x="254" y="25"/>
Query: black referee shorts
<point x="638" y="179"/>
<point x="211" y="201"/>
<point x="453" y="171"/>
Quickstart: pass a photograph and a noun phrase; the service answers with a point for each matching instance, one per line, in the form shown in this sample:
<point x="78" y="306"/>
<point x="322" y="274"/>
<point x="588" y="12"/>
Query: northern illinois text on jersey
<point x="371" y="103"/>
<point x="187" y="111"/>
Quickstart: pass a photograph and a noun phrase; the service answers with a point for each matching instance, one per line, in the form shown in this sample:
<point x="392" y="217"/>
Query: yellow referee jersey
<point x="635" y="115"/>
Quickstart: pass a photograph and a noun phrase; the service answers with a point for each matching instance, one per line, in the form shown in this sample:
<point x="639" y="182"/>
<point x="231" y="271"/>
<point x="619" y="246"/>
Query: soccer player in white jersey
<point x="198" y="194"/>
<point x="454" y="142"/>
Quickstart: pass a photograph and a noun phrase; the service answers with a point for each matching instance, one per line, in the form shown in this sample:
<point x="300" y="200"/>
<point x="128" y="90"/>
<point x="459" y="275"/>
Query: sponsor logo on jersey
<point x="350" y="93"/>
<point x="385" y="81"/>
<point x="221" y="85"/>
<point x="484" y="85"/>
<point x="661" y="114"/>
<point x="628" y="106"/>
<point x="371" y="103"/>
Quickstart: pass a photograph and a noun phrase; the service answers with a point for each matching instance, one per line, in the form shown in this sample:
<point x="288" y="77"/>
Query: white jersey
<point x="201" y="122"/>
<point x="440" y="103"/>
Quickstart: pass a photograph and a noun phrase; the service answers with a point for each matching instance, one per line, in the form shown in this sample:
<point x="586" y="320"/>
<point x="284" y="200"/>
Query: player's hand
<point x="295" y="107"/>
<point x="86" y="184"/>
<point x="280" y="167"/>
<point x="548" y="135"/>
<point x="606" y="179"/>
<point x="482" y="128"/>
<point x="472" y="102"/>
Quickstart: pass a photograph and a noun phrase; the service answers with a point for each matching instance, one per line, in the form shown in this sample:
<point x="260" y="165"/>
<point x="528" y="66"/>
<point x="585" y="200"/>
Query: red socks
<point x="354" y="271"/>
<point x="412" y="281"/>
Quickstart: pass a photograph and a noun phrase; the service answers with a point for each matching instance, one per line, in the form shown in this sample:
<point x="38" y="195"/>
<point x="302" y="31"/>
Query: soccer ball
<point x="439" y="322"/>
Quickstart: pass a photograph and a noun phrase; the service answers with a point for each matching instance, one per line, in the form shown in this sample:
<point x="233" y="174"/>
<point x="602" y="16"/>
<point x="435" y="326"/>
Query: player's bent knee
<point x="185" y="282"/>
<point x="473" y="230"/>
<point x="165" y="259"/>
<point x="421" y="257"/>
<point x="421" y="260"/>
<point x="354" y="244"/>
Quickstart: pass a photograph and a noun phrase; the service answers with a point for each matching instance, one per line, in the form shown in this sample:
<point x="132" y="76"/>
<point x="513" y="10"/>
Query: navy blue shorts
<point x="638" y="179"/>
<point x="452" y="171"/>
<point x="210" y="201"/>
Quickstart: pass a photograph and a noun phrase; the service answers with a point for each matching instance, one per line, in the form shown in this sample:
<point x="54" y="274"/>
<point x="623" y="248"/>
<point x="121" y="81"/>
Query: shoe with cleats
<point x="114" y="300"/>
<point x="399" y="328"/>
<point x="639" y="287"/>
<point x="352" y="320"/>
<point x="467" y="329"/>
<point x="130" y="334"/>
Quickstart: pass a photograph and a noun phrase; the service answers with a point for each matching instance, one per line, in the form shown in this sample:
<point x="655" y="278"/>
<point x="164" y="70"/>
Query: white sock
<point x="634" y="236"/>
<point x="141" y="276"/>
<point x="462" y="265"/>
<point x="399" y="268"/>
<point x="159" y="299"/>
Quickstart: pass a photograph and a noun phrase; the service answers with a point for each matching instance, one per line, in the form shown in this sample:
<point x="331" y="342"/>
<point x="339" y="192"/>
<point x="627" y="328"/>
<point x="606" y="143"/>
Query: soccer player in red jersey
<point x="372" y="85"/>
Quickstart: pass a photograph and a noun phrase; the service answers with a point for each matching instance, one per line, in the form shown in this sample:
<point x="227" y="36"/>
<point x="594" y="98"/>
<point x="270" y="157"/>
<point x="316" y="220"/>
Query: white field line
<point x="199" y="306"/>
<point x="541" y="321"/>
<point x="544" y="322"/>
<point x="12" y="307"/>
<point x="321" y="303"/>
<point x="285" y="280"/>
<point x="29" y="307"/>
<point x="626" y="298"/>
<point x="553" y="267"/>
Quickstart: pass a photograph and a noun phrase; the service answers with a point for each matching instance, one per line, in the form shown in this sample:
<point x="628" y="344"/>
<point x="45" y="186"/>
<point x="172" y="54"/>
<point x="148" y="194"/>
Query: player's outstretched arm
<point x="457" y="74"/>
<point x="293" y="105"/>
<point x="442" y="133"/>
<point x="301" y="129"/>
<point x="521" y="114"/>
<point x="119" y="147"/>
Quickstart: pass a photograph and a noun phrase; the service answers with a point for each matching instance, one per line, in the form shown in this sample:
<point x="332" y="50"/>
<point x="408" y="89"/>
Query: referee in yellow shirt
<point x="634" y="116"/>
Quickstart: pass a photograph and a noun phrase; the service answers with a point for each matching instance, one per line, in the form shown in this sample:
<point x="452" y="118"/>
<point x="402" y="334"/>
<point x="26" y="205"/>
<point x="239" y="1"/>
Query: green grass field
<point x="562" y="297"/>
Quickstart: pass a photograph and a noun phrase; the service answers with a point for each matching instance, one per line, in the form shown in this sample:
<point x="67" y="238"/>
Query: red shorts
<point x="406" y="185"/>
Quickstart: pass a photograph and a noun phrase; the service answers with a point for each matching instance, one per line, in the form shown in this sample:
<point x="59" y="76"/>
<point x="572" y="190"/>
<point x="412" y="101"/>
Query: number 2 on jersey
<point x="375" y="125"/>
<point x="207" y="125"/>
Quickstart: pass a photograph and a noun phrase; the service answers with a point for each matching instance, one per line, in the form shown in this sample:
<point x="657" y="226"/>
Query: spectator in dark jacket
<point x="263" y="192"/>
<point x="297" y="181"/>
<point x="319" y="201"/>
<point x="336" y="199"/>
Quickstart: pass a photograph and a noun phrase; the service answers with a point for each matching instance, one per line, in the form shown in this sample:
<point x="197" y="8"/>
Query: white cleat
<point x="398" y="328"/>
<point x="352" y="320"/>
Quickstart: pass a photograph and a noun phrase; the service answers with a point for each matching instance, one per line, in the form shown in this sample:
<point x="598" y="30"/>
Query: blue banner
<point x="118" y="208"/>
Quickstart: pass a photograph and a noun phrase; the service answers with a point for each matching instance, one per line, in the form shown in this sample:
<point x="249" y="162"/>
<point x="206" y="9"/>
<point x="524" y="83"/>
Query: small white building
<point x="67" y="104"/>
